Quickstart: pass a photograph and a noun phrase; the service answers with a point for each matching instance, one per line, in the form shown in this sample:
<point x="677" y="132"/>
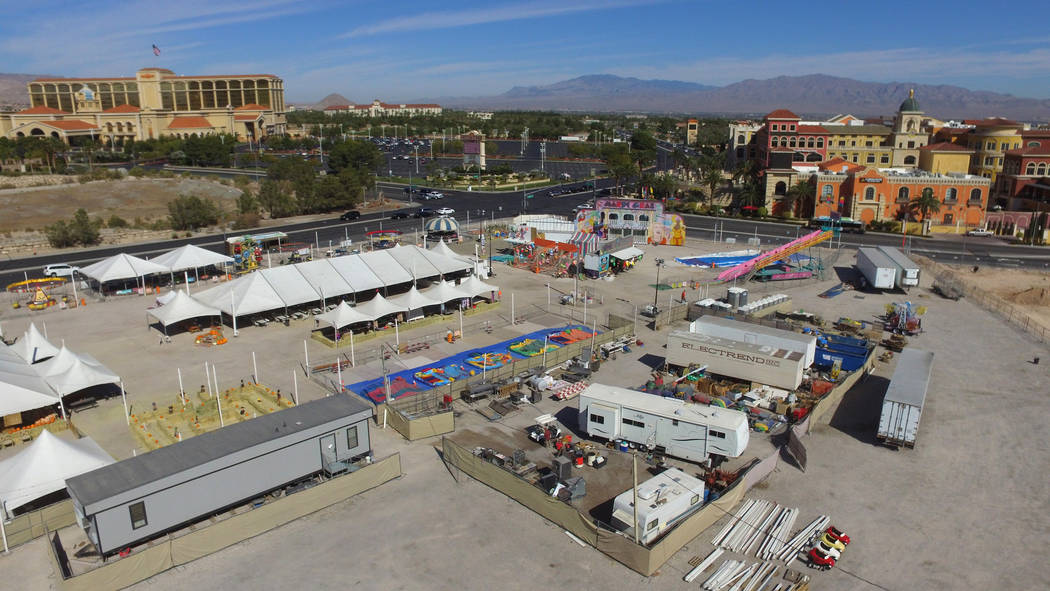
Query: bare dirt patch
<point x="1026" y="290"/>
<point x="129" y="198"/>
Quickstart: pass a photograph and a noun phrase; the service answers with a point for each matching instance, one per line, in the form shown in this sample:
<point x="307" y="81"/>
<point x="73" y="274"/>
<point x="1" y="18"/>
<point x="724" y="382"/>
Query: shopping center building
<point x="154" y="103"/>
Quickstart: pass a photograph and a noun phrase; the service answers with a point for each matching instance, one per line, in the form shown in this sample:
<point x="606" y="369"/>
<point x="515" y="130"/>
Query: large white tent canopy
<point x="190" y="257"/>
<point x="181" y="307"/>
<point x="379" y="306"/>
<point x="323" y="276"/>
<point x="43" y="467"/>
<point x="121" y="266"/>
<point x="445" y="291"/>
<point x="359" y="275"/>
<point x="412" y="259"/>
<point x="386" y="267"/>
<point x="413" y="300"/>
<point x="21" y="387"/>
<point x="476" y="287"/>
<point x="33" y="346"/>
<point x="251" y="294"/>
<point x="290" y="285"/>
<point x="445" y="260"/>
<point x="343" y="315"/>
<point x="69" y="372"/>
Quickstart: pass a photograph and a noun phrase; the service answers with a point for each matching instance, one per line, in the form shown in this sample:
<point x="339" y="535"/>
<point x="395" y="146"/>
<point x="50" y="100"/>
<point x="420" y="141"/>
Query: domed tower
<point x="908" y="135"/>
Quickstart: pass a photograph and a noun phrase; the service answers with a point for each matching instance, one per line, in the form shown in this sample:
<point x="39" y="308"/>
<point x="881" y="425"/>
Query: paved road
<point x="980" y="251"/>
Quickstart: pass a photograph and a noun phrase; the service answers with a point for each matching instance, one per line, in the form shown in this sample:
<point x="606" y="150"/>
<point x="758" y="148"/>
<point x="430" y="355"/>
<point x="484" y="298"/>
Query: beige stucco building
<point x="381" y="109"/>
<point x="154" y="103"/>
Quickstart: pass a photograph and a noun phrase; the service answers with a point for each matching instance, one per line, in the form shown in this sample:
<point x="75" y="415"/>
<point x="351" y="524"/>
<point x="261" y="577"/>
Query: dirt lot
<point x="128" y="198"/>
<point x="1027" y="290"/>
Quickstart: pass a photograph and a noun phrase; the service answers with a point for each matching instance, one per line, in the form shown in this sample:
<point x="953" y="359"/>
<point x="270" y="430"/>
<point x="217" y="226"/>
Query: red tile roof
<point x="69" y="124"/>
<point x="252" y="107"/>
<point x="997" y="122"/>
<point x="80" y="79"/>
<point x="782" y="114"/>
<point x="946" y="147"/>
<point x="247" y="117"/>
<point x="812" y="129"/>
<point x="1030" y="151"/>
<point x="1035" y="133"/>
<point x="337" y="107"/>
<point x="122" y="109"/>
<point x="42" y="110"/>
<point x="189" y="123"/>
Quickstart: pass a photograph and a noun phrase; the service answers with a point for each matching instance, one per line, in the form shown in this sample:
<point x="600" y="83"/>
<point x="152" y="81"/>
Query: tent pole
<point x="207" y="377"/>
<point x="73" y="279"/>
<point x="353" y="363"/>
<point x="295" y="387"/>
<point x="186" y="277"/>
<point x="339" y="370"/>
<point x="182" y="391"/>
<point x="306" y="354"/>
<point x="218" y="401"/>
<point x="45" y="329"/>
<point x="62" y="405"/>
<point x="255" y="369"/>
<point x="233" y="312"/>
<point x="124" y="399"/>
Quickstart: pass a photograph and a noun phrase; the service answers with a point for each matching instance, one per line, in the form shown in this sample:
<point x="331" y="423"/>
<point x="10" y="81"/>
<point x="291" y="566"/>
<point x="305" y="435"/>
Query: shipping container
<point x="756" y="334"/>
<point x="879" y="270"/>
<point x="907" y="272"/>
<point x="905" y="398"/>
<point x="764" y="364"/>
<point x="682" y="429"/>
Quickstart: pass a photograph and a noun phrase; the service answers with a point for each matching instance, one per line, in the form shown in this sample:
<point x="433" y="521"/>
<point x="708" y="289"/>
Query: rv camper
<point x="663" y="501"/>
<point x="682" y="429"/>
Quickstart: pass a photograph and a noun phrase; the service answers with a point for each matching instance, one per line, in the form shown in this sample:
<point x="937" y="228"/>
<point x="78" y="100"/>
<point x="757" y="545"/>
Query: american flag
<point x="156" y="50"/>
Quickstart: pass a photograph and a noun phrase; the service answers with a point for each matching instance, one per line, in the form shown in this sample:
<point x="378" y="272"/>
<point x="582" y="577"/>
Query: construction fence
<point x="947" y="281"/>
<point x="166" y="553"/>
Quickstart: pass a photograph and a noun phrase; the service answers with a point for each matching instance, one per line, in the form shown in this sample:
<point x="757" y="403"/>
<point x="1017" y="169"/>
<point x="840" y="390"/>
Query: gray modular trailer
<point x="757" y="334"/>
<point x="877" y="268"/>
<point x="765" y="364"/>
<point x="151" y="494"/>
<point x="905" y="397"/>
<point x="907" y="271"/>
<point x="683" y="429"/>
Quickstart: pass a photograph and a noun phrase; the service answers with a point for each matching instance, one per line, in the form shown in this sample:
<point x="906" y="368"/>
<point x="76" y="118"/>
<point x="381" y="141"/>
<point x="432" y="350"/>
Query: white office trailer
<point x="877" y="268"/>
<point x="149" y="495"/>
<point x="763" y="364"/>
<point x="682" y="429"/>
<point x="663" y="501"/>
<point x="757" y="334"/>
<point x="907" y="274"/>
<point x="905" y="397"/>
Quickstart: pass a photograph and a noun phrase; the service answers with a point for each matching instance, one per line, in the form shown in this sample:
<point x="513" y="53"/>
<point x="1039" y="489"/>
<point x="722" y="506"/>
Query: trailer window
<point x="694" y="500"/>
<point x="138" y="514"/>
<point x="351" y="437"/>
<point x="718" y="434"/>
<point x="599" y="419"/>
<point x="639" y="424"/>
<point x="651" y="525"/>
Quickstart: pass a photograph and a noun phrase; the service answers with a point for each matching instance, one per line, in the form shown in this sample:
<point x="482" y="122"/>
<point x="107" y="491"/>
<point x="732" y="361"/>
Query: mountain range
<point x="812" y="95"/>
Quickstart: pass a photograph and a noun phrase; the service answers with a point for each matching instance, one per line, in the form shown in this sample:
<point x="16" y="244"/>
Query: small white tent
<point x="181" y="307"/>
<point x="445" y="291"/>
<point x="476" y="287"/>
<point x="191" y="257"/>
<point x="121" y="266"/>
<point x="43" y="467"/>
<point x="68" y="372"/>
<point x="33" y="347"/>
<point x="343" y="315"/>
<point x="414" y="302"/>
<point x="379" y="306"/>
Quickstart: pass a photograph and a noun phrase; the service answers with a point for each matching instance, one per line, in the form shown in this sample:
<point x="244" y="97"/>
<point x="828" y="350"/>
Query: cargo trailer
<point x="663" y="501"/>
<point x="907" y="272"/>
<point x="877" y="268"/>
<point x="682" y="429"/>
<point x="905" y="398"/>
<point x="757" y="334"/>
<point x="764" y="364"/>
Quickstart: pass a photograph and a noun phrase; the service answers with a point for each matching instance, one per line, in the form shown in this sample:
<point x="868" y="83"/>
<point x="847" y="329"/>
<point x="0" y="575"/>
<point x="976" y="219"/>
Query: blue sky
<point x="408" y="49"/>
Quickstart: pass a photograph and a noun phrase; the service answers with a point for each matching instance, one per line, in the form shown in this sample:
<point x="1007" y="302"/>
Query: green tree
<point x="712" y="179"/>
<point x="276" y="198"/>
<point x="247" y="203"/>
<point x="85" y="231"/>
<point x="59" y="234"/>
<point x="115" y="221"/>
<point x="189" y="212"/>
<point x="924" y="204"/>
<point x="358" y="155"/>
<point x="643" y="149"/>
<point x="798" y="196"/>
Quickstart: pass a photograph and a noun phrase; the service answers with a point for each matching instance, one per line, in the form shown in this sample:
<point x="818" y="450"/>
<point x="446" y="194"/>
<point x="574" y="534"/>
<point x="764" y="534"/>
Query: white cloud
<point x="462" y="18"/>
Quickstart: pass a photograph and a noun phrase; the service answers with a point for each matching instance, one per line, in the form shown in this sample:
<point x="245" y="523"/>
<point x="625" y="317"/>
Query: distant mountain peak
<point x="332" y="99"/>
<point x="604" y="85"/>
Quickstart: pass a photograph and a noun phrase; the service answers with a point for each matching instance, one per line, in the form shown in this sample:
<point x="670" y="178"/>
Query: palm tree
<point x="712" y="179"/>
<point x="925" y="204"/>
<point x="801" y="192"/>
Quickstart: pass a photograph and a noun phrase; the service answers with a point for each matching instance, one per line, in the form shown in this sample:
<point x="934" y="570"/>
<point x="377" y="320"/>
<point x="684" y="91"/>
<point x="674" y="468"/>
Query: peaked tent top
<point x="343" y="315"/>
<point x="43" y="467"/>
<point x="445" y="291"/>
<point x="414" y="300"/>
<point x="121" y="266"/>
<point x="476" y="287"/>
<point x="181" y="307"/>
<point x="190" y="257"/>
<point x="379" y="306"/>
<point x="33" y="347"/>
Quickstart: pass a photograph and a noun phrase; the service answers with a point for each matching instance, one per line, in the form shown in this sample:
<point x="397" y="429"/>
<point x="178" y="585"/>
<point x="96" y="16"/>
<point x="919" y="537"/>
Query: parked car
<point x="424" y="212"/>
<point x="837" y="534"/>
<point x="446" y="211"/>
<point x="60" y="270"/>
<point x="980" y="232"/>
<point x="399" y="215"/>
<point x="538" y="433"/>
<point x="350" y="216"/>
<point x="433" y="195"/>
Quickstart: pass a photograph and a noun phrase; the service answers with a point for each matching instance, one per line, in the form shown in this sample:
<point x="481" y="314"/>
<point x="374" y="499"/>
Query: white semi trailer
<point x="682" y="429"/>
<point x="907" y="274"/>
<point x="905" y="397"/>
<point x="877" y="268"/>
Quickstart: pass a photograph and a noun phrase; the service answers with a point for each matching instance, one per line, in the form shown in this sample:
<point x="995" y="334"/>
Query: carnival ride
<point x="33" y="284"/>
<point x="247" y="254"/>
<point x="748" y="268"/>
<point x="41" y="301"/>
<point x="532" y="347"/>
<point x="383" y="239"/>
<point x="489" y="360"/>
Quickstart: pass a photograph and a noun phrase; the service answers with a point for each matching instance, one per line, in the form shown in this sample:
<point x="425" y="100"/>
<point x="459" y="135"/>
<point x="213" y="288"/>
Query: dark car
<point x="424" y="212"/>
<point x="350" y="216"/>
<point x="399" y="215"/>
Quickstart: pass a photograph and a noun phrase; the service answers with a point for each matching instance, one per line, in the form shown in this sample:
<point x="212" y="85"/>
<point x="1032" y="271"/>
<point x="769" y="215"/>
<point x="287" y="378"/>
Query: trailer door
<point x="603" y="420"/>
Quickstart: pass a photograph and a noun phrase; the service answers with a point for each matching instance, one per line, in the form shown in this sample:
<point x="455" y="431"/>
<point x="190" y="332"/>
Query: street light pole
<point x="656" y="288"/>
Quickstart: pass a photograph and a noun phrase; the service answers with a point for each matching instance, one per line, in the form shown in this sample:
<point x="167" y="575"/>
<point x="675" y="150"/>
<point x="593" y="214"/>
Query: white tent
<point x="412" y="259"/>
<point x="190" y="257"/>
<point x="379" y="306"/>
<point x="165" y="297"/>
<point x="68" y="372"/>
<point x="445" y="291"/>
<point x="290" y="285"/>
<point x="414" y="300"/>
<point x="33" y="347"/>
<point x="476" y="287"/>
<point x="181" y="307"/>
<point x="443" y="248"/>
<point x="344" y="315"/>
<point x="354" y="271"/>
<point x="322" y="275"/>
<point x="251" y="294"/>
<point x="21" y="387"/>
<point x="447" y="261"/>
<point x="386" y="267"/>
<point x="121" y="266"/>
<point x="43" y="467"/>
